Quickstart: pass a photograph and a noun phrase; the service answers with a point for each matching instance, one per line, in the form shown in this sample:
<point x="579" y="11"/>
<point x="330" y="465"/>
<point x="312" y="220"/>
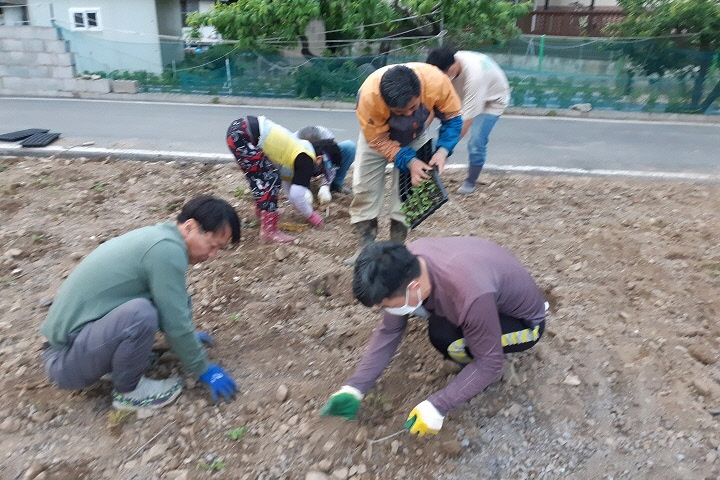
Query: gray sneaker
<point x="350" y="261"/>
<point x="149" y="394"/>
<point x="466" y="188"/>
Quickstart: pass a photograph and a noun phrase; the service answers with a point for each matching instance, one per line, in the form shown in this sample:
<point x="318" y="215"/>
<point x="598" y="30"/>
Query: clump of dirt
<point x="623" y="385"/>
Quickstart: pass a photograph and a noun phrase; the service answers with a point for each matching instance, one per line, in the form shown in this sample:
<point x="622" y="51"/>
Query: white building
<point x="107" y="35"/>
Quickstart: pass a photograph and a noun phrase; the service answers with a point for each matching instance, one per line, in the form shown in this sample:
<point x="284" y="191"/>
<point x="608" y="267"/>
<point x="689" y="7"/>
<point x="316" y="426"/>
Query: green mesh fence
<point x="549" y="72"/>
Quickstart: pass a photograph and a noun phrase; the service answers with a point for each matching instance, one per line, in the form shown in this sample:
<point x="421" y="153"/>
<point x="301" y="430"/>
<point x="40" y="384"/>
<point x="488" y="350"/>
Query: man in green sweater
<point x="105" y="315"/>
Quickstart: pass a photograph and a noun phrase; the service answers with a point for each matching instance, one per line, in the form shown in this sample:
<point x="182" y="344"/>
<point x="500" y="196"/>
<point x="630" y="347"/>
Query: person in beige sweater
<point x="485" y="93"/>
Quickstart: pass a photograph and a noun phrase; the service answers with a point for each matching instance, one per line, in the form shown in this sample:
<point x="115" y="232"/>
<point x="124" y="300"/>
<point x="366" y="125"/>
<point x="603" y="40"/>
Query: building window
<point x="187" y="7"/>
<point x="85" y="18"/>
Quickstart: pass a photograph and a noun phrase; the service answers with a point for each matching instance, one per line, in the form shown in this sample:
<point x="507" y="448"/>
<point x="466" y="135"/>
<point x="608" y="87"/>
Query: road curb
<point x="338" y="105"/>
<point x="101" y="154"/>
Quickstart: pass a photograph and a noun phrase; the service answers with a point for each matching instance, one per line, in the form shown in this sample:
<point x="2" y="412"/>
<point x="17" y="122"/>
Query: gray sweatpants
<point x="120" y="342"/>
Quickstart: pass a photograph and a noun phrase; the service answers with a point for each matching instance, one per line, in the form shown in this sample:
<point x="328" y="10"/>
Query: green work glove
<point x="343" y="403"/>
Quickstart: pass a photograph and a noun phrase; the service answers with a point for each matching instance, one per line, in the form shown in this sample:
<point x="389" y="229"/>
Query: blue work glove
<point x="206" y="339"/>
<point x="219" y="382"/>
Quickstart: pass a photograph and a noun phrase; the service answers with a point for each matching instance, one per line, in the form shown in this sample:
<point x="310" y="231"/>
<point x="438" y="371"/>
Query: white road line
<point x="167" y="155"/>
<point x="350" y="109"/>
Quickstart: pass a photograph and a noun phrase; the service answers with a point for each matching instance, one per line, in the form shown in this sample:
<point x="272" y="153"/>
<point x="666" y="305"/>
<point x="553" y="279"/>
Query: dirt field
<point x="624" y="384"/>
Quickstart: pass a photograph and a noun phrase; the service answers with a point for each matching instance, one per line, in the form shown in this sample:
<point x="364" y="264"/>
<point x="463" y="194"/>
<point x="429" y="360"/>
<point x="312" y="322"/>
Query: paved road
<point x="541" y="141"/>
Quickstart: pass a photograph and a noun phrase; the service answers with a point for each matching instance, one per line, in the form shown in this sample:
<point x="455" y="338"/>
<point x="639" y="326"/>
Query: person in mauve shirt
<point x="479" y="302"/>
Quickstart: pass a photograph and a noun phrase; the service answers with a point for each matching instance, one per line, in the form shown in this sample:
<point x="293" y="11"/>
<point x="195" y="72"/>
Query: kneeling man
<point x="104" y="317"/>
<point x="479" y="302"/>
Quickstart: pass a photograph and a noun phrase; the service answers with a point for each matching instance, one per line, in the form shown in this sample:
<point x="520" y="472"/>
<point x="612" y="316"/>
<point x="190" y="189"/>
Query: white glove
<point x="308" y="196"/>
<point x="424" y="420"/>
<point x="324" y="195"/>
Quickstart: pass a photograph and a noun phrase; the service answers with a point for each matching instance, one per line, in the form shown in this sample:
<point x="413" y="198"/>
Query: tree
<point x="689" y="32"/>
<point x="253" y="22"/>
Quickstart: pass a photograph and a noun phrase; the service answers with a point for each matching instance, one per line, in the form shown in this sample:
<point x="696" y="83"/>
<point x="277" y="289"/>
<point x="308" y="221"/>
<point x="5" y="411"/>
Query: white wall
<point x="127" y="38"/>
<point x="169" y="17"/>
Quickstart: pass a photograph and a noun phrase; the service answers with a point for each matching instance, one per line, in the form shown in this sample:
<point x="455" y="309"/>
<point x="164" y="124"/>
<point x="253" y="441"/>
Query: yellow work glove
<point x="424" y="420"/>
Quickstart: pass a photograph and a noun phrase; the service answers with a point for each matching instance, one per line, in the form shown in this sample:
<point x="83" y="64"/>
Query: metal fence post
<point x="228" y="74"/>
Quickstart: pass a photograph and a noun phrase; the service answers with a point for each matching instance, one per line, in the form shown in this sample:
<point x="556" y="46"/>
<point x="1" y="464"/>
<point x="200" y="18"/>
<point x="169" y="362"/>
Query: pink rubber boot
<point x="269" y="228"/>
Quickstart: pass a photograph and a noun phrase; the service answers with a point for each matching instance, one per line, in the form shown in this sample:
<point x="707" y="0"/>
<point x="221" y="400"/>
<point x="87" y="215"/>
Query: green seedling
<point x="170" y="207"/>
<point x="237" y="433"/>
<point x="118" y="418"/>
<point x="214" y="466"/>
<point x="235" y="317"/>
<point x="99" y="187"/>
<point x="3" y="168"/>
<point x="37" y="237"/>
<point x="239" y="192"/>
<point x="420" y="200"/>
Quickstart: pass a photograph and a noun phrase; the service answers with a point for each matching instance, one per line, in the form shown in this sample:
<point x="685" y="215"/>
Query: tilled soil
<point x="625" y="383"/>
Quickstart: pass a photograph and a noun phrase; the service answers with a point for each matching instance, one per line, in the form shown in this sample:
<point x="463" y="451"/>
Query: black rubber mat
<point x="40" y="140"/>
<point x="20" y="134"/>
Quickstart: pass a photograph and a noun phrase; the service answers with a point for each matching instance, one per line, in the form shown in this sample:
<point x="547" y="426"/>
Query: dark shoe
<point x="398" y="231"/>
<point x="367" y="231"/>
<point x="340" y="189"/>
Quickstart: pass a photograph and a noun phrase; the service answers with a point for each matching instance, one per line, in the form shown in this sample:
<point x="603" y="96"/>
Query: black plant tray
<point x="408" y="194"/>
<point x="21" y="134"/>
<point x="40" y="140"/>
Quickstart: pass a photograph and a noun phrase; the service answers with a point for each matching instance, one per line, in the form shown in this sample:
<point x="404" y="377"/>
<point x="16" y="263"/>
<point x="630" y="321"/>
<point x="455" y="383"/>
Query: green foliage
<point x="252" y="22"/>
<point x="214" y="465"/>
<point x="689" y="32"/>
<point x="474" y="22"/>
<point x="143" y="77"/>
<point x="237" y="433"/>
<point x="323" y="75"/>
<point x="421" y="199"/>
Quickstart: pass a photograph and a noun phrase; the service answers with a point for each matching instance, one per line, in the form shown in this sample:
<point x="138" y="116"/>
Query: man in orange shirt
<point x="394" y="105"/>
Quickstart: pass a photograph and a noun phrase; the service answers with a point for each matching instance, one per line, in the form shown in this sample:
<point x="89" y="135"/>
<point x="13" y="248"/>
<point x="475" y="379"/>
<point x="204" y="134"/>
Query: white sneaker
<point x="149" y="394"/>
<point x="466" y="188"/>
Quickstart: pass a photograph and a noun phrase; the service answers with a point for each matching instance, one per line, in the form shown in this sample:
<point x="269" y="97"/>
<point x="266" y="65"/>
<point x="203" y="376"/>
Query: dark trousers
<point x="449" y="339"/>
<point x="262" y="175"/>
<point x="120" y="342"/>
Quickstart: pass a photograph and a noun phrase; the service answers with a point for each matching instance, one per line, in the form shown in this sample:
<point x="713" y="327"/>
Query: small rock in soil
<point x="361" y="435"/>
<point x="572" y="380"/>
<point x="319" y="330"/>
<point x="394" y="447"/>
<point x="155" y="452"/>
<point x="703" y="354"/>
<point x="281" y="253"/>
<point x="282" y="393"/>
<point x="325" y="465"/>
<point x="45" y="302"/>
<point x="314" y="475"/>
<point x="177" y="475"/>
<point x="451" y="448"/>
<point x="33" y="472"/>
<point x="340" y="474"/>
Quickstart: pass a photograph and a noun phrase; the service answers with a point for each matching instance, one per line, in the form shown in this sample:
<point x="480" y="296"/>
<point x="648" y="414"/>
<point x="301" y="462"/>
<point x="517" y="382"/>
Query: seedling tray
<point x="418" y="203"/>
<point x="21" y="134"/>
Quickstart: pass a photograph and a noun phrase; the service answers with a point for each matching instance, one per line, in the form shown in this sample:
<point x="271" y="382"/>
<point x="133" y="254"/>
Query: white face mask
<point x="406" y="309"/>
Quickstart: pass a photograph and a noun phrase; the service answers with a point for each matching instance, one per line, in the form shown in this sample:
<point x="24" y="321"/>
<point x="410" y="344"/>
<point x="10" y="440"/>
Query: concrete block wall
<point x="35" y="61"/>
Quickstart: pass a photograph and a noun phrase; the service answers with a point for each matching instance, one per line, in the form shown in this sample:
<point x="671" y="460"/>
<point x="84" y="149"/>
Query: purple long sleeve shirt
<point x="473" y="281"/>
